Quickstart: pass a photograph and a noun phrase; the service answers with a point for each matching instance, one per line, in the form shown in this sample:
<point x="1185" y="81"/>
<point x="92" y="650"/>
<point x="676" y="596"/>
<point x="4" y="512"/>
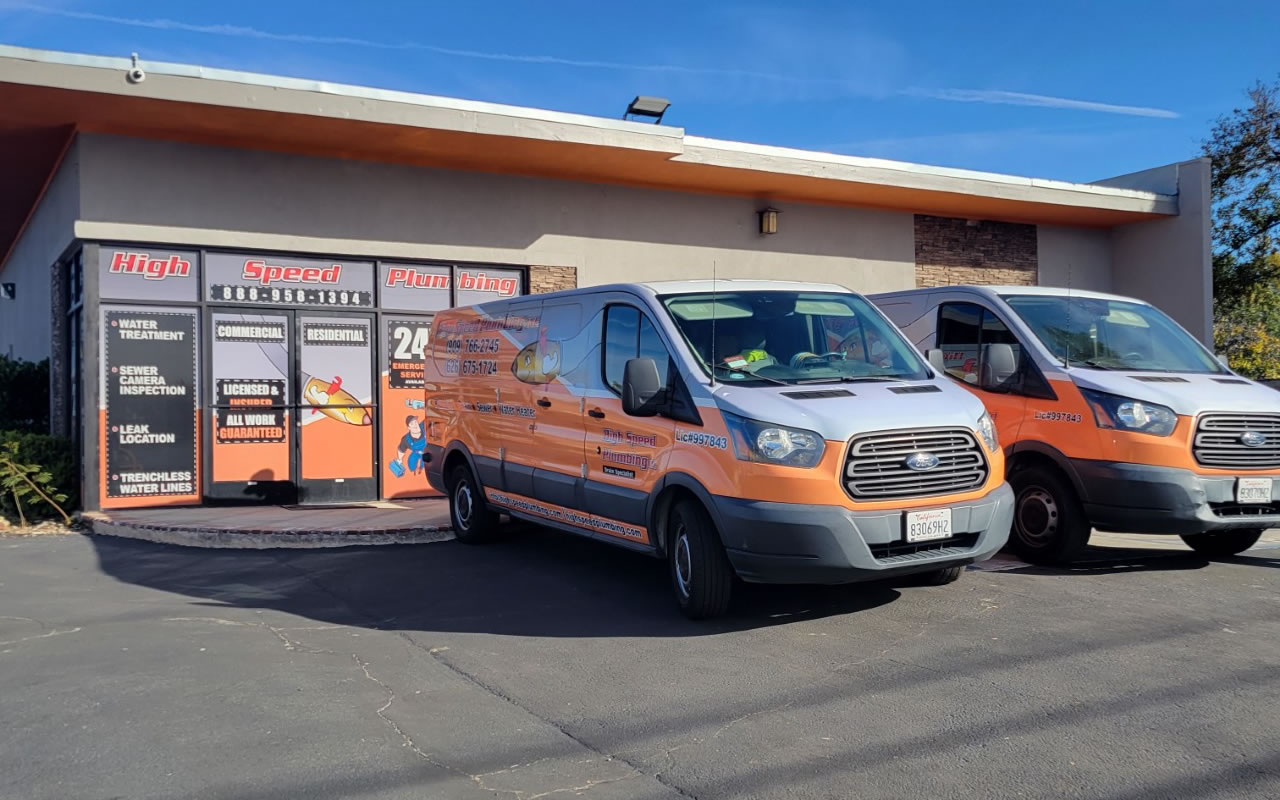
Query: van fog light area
<point x="764" y="443"/>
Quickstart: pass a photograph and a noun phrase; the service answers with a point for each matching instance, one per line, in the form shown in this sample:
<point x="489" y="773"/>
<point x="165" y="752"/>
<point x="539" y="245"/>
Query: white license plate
<point x="924" y="526"/>
<point x="1253" y="490"/>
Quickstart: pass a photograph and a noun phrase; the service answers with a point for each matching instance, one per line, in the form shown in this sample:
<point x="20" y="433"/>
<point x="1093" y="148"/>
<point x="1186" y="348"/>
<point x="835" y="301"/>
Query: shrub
<point x="56" y="457"/>
<point x="24" y="395"/>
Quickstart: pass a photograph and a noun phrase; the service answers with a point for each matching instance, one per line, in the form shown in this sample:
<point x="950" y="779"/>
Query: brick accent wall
<point x="552" y="279"/>
<point x="950" y="251"/>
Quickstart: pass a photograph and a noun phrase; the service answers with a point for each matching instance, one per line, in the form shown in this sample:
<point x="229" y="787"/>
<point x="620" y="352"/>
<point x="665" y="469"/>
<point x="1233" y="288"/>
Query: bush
<point x="24" y="395"/>
<point x="56" y="456"/>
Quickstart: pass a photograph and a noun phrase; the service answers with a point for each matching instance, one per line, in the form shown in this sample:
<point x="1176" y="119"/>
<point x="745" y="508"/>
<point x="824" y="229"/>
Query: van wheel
<point x="473" y="521"/>
<point x="1049" y="525"/>
<point x="941" y="577"/>
<point x="700" y="572"/>
<point x="1223" y="544"/>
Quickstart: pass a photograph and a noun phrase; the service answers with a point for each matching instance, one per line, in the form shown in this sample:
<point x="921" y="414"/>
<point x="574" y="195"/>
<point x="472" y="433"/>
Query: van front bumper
<point x="792" y="543"/>
<point x="1141" y="498"/>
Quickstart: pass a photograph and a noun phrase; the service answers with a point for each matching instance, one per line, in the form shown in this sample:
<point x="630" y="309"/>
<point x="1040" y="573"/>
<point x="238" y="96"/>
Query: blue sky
<point x="1067" y="90"/>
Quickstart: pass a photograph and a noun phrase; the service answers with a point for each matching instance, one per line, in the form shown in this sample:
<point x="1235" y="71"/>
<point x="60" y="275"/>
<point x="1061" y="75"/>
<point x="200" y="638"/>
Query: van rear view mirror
<point x="998" y="365"/>
<point x="641" y="388"/>
<point x="934" y="355"/>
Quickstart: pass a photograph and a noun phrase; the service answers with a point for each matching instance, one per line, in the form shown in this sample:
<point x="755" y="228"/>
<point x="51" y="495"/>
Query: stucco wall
<point x="25" y="321"/>
<point x="1077" y="258"/>
<point x="170" y="192"/>
<point x="1166" y="262"/>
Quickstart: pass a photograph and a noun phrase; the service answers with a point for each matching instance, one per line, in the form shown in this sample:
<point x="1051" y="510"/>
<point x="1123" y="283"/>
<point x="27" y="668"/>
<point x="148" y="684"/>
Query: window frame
<point x="1026" y="381"/>
<point x="641" y="318"/>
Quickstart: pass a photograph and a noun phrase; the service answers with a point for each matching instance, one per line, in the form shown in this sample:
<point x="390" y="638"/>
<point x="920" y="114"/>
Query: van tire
<point x="473" y="521"/>
<point x="1049" y="523"/>
<point x="1223" y="544"/>
<point x="701" y="576"/>
<point x="941" y="577"/>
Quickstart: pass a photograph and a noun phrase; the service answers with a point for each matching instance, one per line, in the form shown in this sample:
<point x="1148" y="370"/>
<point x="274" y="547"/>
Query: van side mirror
<point x="998" y="365"/>
<point x="641" y="388"/>
<point x="934" y="356"/>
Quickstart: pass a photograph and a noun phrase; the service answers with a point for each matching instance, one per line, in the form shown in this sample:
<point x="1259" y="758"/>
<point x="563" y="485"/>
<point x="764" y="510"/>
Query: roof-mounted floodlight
<point x="648" y="107"/>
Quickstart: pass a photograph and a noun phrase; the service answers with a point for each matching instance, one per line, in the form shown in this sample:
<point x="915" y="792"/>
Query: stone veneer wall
<point x="951" y="251"/>
<point x="552" y="279"/>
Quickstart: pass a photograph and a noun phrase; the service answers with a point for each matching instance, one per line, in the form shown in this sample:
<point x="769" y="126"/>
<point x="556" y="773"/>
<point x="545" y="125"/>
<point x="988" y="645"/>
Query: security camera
<point x="135" y="73"/>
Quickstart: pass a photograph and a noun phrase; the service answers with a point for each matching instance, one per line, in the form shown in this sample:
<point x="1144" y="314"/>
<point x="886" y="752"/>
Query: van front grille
<point x="877" y="466"/>
<point x="1223" y="441"/>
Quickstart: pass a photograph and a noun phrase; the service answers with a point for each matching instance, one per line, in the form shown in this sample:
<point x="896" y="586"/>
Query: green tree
<point x="1245" y="148"/>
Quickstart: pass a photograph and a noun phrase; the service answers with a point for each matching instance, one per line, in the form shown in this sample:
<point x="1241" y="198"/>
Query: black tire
<point x="1049" y="524"/>
<point x="473" y="521"/>
<point x="701" y="576"/>
<point x="941" y="577"/>
<point x="1223" y="544"/>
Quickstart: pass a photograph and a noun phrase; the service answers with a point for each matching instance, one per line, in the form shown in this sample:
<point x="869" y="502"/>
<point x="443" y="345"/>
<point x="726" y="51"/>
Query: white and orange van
<point x="782" y="432"/>
<point x="1111" y="415"/>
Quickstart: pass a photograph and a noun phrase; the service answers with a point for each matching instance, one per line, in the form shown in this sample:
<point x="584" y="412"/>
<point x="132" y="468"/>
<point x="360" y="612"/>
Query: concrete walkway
<point x="255" y="527"/>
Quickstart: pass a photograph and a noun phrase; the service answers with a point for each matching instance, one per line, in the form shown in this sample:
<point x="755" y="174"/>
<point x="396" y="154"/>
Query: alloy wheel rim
<point x="462" y="505"/>
<point x="1038" y="516"/>
<point x="683" y="563"/>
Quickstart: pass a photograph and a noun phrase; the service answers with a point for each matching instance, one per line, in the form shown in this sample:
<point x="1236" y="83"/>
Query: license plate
<point x="1253" y="490"/>
<point x="924" y="526"/>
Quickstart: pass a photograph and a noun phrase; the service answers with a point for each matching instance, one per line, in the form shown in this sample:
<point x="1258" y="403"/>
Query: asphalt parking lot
<point x="546" y="666"/>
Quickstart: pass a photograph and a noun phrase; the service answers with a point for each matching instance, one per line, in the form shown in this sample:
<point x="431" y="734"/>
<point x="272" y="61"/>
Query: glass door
<point x="336" y="419"/>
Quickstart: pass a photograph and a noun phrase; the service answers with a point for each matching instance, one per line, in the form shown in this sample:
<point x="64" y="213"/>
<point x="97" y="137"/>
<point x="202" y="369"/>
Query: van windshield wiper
<point x="750" y="374"/>
<point x="854" y="379"/>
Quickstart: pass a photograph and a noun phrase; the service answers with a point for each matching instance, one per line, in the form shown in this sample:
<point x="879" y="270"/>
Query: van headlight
<point x="986" y="428"/>
<point x="1126" y="414"/>
<point x="766" y="443"/>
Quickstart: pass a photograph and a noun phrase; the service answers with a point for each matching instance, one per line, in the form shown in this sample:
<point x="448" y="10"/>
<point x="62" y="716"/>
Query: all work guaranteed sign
<point x="151" y="407"/>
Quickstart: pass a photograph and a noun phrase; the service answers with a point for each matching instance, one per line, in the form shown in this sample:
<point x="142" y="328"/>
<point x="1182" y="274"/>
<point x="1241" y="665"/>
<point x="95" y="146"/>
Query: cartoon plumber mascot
<point x="413" y="445"/>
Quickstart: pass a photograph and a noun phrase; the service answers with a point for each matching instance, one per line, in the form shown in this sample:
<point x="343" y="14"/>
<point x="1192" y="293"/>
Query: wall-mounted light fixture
<point x="649" y="107"/>
<point x="9" y="291"/>
<point x="768" y="220"/>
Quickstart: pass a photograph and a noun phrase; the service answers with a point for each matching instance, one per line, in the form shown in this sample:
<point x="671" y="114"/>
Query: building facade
<point x="232" y="274"/>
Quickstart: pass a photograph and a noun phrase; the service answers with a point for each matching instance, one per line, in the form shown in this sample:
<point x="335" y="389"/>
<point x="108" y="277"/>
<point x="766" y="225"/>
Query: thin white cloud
<point x="1003" y="97"/>
<point x="988" y="96"/>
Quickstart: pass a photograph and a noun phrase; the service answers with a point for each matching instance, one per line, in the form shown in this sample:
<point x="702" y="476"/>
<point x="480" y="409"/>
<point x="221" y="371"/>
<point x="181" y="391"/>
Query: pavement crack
<point x="45" y="635"/>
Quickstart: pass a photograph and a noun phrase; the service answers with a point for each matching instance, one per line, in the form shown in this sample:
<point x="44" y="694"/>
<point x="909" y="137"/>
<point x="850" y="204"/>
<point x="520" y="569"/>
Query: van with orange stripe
<point x="1111" y="415"/>
<point x="780" y="432"/>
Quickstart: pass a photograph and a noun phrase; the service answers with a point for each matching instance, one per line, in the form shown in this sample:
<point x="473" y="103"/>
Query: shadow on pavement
<point x="1112" y="560"/>
<point x="533" y="582"/>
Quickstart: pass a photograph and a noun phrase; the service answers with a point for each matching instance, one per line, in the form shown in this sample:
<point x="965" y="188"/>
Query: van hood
<point x="1188" y="394"/>
<point x="873" y="406"/>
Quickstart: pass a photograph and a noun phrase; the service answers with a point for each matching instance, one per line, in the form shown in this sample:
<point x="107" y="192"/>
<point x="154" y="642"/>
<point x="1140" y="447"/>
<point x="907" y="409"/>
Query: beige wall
<point x="1076" y="258"/>
<point x="25" y="321"/>
<point x="188" y="194"/>
<point x="1166" y="262"/>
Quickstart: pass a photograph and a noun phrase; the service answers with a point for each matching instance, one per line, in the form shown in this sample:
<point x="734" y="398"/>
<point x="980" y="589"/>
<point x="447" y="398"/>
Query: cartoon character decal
<point x="539" y="362"/>
<point x="410" y="452"/>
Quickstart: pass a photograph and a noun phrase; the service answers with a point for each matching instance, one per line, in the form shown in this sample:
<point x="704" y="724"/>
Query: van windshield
<point x="1112" y="334"/>
<point x="761" y="337"/>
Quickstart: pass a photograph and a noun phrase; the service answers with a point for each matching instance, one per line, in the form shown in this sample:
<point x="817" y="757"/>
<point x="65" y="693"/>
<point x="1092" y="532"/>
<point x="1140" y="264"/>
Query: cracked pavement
<point x="547" y="666"/>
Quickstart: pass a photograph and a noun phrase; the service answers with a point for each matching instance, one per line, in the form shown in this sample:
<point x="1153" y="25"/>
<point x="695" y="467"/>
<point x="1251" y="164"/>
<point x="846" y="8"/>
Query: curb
<point x="265" y="539"/>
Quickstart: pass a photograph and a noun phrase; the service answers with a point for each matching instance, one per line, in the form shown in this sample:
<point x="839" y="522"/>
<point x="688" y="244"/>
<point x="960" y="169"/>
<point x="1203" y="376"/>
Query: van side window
<point x="963" y="330"/>
<point x="628" y="334"/>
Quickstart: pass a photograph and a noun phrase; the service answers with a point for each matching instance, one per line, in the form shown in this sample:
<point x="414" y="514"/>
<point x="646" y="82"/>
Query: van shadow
<point x="1098" y="560"/>
<point x="533" y="582"/>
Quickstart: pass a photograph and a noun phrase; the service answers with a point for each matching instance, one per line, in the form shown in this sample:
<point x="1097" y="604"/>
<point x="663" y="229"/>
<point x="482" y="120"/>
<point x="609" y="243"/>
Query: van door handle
<point x="595" y="412"/>
<point x="545" y="403"/>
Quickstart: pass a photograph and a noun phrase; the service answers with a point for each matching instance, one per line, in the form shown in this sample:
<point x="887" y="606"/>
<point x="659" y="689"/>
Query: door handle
<point x="545" y="403"/>
<point x="595" y="412"/>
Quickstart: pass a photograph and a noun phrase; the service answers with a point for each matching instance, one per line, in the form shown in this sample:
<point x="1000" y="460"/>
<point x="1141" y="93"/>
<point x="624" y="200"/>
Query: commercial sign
<point x="335" y="397"/>
<point x="144" y="273"/>
<point x="415" y="287"/>
<point x="281" y="281"/>
<point x="404" y="437"/>
<point x="250" y="396"/>
<point x="150" y="406"/>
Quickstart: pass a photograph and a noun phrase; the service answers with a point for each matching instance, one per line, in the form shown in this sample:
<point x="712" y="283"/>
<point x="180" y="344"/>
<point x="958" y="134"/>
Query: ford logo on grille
<point x="922" y="461"/>
<point x="1253" y="439"/>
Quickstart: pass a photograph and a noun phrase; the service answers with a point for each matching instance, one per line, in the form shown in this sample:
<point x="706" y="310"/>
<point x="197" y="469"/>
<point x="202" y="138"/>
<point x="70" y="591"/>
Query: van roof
<point x="1004" y="291"/>
<point x="699" y="286"/>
